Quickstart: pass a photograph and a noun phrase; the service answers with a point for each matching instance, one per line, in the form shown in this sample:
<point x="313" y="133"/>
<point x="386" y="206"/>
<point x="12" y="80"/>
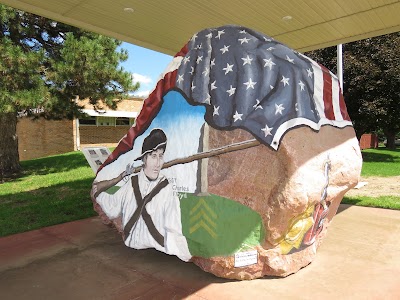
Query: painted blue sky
<point x="174" y="118"/>
<point x="145" y="65"/>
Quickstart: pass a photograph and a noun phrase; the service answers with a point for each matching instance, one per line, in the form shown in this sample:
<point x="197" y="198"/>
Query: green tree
<point x="46" y="65"/>
<point x="370" y="85"/>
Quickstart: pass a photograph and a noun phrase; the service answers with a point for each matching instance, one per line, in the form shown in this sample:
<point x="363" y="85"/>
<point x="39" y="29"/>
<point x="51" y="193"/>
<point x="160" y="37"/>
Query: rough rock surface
<point x="281" y="185"/>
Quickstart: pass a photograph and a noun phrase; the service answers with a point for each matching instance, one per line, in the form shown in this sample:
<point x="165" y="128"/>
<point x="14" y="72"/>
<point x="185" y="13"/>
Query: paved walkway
<point x="359" y="259"/>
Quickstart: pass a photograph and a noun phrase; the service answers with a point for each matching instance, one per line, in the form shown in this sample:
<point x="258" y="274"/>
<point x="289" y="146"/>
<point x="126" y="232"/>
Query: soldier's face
<point x="153" y="163"/>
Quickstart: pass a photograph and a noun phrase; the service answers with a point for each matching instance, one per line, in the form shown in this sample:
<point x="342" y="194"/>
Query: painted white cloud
<point x="142" y="79"/>
<point x="142" y="93"/>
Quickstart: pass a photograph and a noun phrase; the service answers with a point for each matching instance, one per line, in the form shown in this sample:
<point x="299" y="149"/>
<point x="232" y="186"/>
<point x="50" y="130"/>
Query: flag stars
<point x="278" y="109"/>
<point x="216" y="110"/>
<point x="208" y="98"/>
<point x="212" y="63"/>
<point x="291" y="60"/>
<point x="224" y="49"/>
<point x="257" y="105"/>
<point x="246" y="60"/>
<point x="269" y="63"/>
<point x="285" y="80"/>
<point x="180" y="79"/>
<point x="213" y="85"/>
<point x="206" y="71"/>
<point x="302" y="85"/>
<point x="194" y="37"/>
<point x="220" y="32"/>
<point x="250" y="84"/>
<point x="244" y="40"/>
<point x="267" y="130"/>
<point x="231" y="91"/>
<point x="237" y="117"/>
<point x="228" y="68"/>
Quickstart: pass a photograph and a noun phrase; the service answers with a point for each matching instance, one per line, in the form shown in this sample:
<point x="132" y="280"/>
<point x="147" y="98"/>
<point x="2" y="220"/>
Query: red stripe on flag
<point x="327" y="94"/>
<point x="343" y="108"/>
<point x="183" y="51"/>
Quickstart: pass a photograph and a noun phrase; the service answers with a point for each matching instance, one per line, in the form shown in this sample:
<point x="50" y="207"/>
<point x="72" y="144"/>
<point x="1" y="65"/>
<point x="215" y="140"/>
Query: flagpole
<point x="339" y="61"/>
<point x="204" y="162"/>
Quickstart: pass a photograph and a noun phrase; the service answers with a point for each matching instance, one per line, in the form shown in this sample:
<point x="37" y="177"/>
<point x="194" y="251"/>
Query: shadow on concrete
<point x="342" y="207"/>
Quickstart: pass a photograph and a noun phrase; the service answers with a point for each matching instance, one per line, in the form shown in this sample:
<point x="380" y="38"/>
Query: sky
<point x="145" y="65"/>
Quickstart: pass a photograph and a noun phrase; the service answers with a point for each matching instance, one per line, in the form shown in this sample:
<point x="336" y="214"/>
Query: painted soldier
<point x="149" y="208"/>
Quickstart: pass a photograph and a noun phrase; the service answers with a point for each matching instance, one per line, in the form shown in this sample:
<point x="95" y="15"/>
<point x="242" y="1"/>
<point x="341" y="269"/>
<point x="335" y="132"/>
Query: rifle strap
<point x="141" y="210"/>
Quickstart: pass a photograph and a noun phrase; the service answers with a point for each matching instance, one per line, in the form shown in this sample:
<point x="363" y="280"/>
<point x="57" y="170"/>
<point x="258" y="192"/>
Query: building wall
<point x="42" y="138"/>
<point x="101" y="135"/>
<point x="368" y="140"/>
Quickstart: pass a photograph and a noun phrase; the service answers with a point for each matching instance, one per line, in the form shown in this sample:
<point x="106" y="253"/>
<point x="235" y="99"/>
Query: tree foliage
<point x="46" y="64"/>
<point x="371" y="81"/>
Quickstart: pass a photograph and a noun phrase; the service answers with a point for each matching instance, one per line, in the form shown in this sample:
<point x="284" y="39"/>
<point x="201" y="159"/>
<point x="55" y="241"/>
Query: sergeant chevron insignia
<point x="201" y="216"/>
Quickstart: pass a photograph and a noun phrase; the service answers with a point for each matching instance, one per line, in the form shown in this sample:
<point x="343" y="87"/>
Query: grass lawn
<point x="382" y="163"/>
<point x="55" y="190"/>
<point x="52" y="190"/>
<point x="391" y="202"/>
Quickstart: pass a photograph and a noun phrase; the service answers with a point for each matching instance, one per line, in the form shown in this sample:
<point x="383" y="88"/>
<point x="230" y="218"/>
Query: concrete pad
<point x="359" y="259"/>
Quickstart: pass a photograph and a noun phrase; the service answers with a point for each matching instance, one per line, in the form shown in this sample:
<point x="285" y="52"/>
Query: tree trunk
<point x="359" y="133"/>
<point x="9" y="156"/>
<point x="390" y="139"/>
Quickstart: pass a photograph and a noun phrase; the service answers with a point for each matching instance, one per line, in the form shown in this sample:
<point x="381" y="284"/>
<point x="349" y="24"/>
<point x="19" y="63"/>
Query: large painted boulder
<point x="237" y="161"/>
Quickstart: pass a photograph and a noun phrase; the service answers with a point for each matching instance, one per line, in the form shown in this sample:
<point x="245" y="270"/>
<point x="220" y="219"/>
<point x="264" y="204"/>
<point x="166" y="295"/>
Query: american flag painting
<point x="246" y="80"/>
<point x="250" y="81"/>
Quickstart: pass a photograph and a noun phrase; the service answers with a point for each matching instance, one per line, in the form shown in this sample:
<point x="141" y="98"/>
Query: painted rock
<point x="238" y="159"/>
<point x="295" y="191"/>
